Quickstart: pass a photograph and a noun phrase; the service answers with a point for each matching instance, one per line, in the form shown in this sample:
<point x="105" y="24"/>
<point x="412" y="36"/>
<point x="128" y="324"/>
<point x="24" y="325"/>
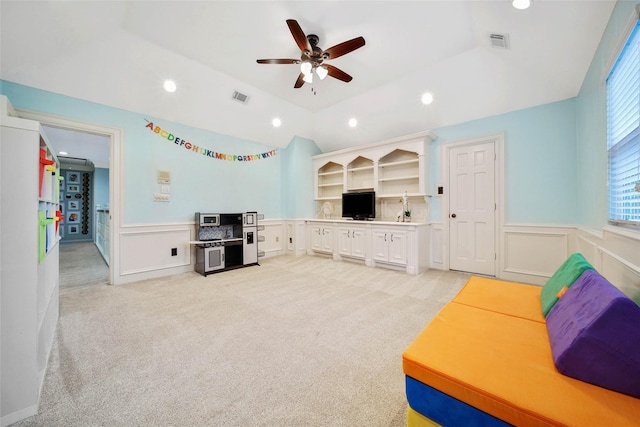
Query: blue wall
<point x="199" y="183"/>
<point x="298" y="180"/>
<point x="540" y="166"/>
<point x="100" y="187"/>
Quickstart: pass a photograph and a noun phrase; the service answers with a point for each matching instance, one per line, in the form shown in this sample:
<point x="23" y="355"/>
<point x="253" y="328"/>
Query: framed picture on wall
<point x="73" y="178"/>
<point x="73" y="217"/>
<point x="73" y="188"/>
<point x="73" y="205"/>
<point x="67" y="196"/>
<point x="73" y="229"/>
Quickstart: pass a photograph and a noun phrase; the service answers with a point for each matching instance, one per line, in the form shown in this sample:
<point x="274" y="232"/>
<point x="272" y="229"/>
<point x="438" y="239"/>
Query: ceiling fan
<point x="312" y="57"/>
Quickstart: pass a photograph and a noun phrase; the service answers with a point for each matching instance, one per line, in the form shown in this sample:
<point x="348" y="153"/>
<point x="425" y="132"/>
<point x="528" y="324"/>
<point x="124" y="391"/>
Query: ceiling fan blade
<point x="344" y="48"/>
<point x="299" y="82"/>
<point x="337" y="73"/>
<point x="298" y="35"/>
<point x="278" y="61"/>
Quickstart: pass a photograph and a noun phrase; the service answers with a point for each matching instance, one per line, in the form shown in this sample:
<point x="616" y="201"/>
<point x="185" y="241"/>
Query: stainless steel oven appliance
<point x="210" y="257"/>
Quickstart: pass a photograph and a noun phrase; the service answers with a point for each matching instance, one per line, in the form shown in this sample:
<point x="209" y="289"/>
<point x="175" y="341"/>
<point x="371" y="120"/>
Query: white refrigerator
<point x="250" y="238"/>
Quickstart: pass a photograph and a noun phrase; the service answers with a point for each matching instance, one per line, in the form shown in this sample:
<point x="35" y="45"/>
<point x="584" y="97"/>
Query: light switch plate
<point x="164" y="189"/>
<point x="159" y="197"/>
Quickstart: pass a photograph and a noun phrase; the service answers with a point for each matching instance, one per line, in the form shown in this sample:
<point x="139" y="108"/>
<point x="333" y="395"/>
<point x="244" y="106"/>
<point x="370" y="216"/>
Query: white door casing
<point x="471" y="207"/>
<point x="115" y="136"/>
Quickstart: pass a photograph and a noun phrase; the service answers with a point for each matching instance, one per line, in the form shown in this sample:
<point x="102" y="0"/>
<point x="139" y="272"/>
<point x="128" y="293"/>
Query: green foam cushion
<point x="564" y="276"/>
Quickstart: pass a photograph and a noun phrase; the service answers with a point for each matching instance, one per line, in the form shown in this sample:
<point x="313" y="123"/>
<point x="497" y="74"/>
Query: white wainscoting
<point x="438" y="246"/>
<point x="145" y="251"/>
<point x="532" y="253"/>
<point x="528" y="253"/>
<point x="615" y="254"/>
<point x="296" y="237"/>
<point x="283" y="237"/>
<point x="274" y="237"/>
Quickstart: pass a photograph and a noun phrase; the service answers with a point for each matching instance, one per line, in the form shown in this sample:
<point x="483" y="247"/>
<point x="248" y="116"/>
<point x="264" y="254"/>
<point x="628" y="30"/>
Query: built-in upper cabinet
<point x="390" y="168"/>
<point x="360" y="176"/>
<point x="399" y="173"/>
<point x="330" y="181"/>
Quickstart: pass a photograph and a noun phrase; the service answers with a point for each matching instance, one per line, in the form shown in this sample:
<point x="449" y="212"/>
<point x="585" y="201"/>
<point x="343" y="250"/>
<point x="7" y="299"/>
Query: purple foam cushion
<point x="594" y="331"/>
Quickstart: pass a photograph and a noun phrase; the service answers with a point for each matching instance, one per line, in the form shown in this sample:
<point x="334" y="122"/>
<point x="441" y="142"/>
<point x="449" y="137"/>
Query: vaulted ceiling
<point x="118" y="53"/>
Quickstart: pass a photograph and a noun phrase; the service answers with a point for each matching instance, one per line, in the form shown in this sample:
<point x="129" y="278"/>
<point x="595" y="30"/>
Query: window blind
<point x="623" y="133"/>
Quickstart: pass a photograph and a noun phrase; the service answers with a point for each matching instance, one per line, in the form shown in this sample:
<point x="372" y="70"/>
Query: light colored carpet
<point x="296" y="341"/>
<point x="81" y="264"/>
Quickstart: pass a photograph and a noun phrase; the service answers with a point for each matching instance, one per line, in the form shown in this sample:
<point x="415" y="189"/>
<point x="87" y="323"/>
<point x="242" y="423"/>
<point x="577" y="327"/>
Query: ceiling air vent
<point x="500" y="41"/>
<point x="240" y="97"/>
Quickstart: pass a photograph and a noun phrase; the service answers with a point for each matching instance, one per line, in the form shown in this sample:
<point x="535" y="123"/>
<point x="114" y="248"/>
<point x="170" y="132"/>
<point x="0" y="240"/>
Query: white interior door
<point x="472" y="208"/>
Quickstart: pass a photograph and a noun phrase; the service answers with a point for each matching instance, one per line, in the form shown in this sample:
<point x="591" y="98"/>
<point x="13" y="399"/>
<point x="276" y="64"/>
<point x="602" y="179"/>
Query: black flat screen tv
<point x="361" y="205"/>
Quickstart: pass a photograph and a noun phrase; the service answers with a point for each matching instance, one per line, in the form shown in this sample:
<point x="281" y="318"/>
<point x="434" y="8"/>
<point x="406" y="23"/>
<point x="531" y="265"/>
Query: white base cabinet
<point x="390" y="246"/>
<point x="352" y="242"/>
<point x="321" y="238"/>
<point x="400" y="246"/>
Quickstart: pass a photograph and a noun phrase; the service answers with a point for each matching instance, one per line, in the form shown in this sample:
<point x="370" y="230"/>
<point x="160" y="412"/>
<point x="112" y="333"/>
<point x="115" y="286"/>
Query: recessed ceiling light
<point x="276" y="122"/>
<point x="63" y="153"/>
<point x="169" y="86"/>
<point x="427" y="98"/>
<point x="353" y="122"/>
<point x="521" y="4"/>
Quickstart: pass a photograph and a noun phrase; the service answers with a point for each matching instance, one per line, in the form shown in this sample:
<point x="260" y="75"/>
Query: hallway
<point x="82" y="265"/>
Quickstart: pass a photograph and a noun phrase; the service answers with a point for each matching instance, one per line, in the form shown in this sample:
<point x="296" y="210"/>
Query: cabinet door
<point x="344" y="241"/>
<point x="327" y="239"/>
<point x="397" y="242"/>
<point x="380" y="246"/>
<point x="358" y="243"/>
<point x="316" y="238"/>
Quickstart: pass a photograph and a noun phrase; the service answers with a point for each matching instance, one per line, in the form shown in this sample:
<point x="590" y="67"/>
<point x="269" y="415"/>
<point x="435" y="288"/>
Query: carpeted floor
<point x="296" y="341"/>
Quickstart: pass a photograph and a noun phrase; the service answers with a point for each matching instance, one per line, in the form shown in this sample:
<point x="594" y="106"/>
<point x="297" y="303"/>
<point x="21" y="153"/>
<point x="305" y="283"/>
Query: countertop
<point x="361" y="222"/>
<point x="202" y="242"/>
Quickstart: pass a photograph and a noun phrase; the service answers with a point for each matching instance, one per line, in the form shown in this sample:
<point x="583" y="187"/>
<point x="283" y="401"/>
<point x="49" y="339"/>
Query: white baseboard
<point x="19" y="415"/>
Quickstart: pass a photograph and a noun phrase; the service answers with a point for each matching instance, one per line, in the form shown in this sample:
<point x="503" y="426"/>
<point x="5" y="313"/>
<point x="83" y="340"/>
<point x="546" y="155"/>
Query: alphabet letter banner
<point x="181" y="143"/>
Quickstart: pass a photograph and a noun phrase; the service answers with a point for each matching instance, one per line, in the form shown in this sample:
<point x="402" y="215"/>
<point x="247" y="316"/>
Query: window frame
<point x="627" y="142"/>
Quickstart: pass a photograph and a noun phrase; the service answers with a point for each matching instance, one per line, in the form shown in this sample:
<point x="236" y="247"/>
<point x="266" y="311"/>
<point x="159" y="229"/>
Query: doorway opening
<point x="84" y="203"/>
<point x="113" y="164"/>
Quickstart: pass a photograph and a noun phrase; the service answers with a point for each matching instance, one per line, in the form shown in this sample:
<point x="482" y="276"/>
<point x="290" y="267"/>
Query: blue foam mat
<point x="446" y="410"/>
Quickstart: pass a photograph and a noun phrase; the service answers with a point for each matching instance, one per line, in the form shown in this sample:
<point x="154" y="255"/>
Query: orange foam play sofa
<point x="486" y="359"/>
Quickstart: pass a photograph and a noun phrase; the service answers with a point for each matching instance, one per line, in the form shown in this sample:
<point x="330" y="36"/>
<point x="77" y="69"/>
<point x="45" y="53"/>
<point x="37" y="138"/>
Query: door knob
<point x="453" y="215"/>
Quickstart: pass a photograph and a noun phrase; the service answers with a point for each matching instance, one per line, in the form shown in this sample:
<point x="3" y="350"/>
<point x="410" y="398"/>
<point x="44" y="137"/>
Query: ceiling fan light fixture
<point x="308" y="78"/>
<point x="322" y="72"/>
<point x="305" y="67"/>
<point x="521" y="4"/>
